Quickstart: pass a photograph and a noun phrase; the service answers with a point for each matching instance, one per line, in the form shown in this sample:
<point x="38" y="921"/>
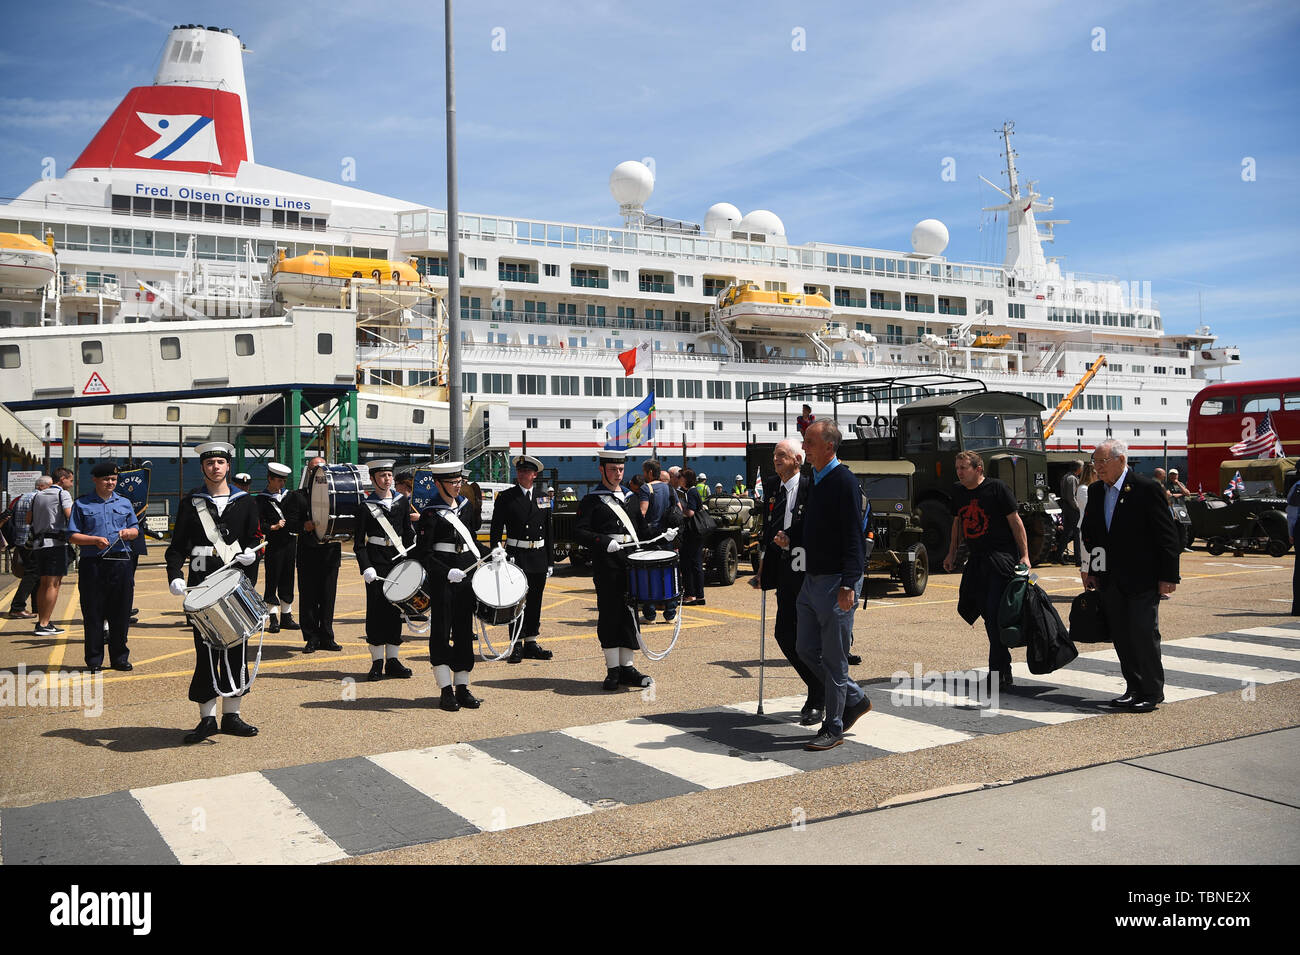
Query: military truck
<point x="1252" y="521"/>
<point x="896" y="542"/>
<point x="926" y="420"/>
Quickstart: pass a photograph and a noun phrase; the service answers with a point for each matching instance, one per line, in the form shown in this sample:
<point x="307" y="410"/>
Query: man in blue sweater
<point x="830" y="544"/>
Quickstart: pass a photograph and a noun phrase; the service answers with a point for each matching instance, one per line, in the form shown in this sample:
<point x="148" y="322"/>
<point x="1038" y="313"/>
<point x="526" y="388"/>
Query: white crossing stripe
<point x="897" y="735"/>
<point x="1023" y="707"/>
<point x="241" y="819"/>
<point x="772" y="706"/>
<point x="489" y="793"/>
<point x="1104" y="683"/>
<point x="1237" y="646"/>
<point x="1229" y="671"/>
<point x="678" y="753"/>
<point x="1294" y="634"/>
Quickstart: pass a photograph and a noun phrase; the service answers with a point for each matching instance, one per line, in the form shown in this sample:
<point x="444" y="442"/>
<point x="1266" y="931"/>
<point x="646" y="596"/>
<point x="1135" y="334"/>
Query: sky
<point x="1166" y="131"/>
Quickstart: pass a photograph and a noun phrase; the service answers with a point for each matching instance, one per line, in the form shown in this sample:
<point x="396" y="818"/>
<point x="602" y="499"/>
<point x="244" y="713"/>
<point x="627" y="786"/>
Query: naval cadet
<point x="103" y="524"/>
<point x="318" y="573"/>
<point x="275" y="507"/>
<point x="607" y="523"/>
<point x="447" y="547"/>
<point x="521" y="520"/>
<point x="383" y="535"/>
<point x="216" y="525"/>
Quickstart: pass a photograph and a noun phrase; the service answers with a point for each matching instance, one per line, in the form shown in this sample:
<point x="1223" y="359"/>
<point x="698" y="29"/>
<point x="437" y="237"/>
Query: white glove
<point x="455" y="576"/>
<point x="178" y="587"/>
<point x="670" y="534"/>
<point x="549" y="571"/>
<point x="370" y="575"/>
<point x="498" y="553"/>
<point x="246" y="557"/>
<point x="614" y="547"/>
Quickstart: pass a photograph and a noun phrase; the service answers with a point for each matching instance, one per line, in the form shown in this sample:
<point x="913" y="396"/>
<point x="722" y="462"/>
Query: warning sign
<point x="95" y="386"/>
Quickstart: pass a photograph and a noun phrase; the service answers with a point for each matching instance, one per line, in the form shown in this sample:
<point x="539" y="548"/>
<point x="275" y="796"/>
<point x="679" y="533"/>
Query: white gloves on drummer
<point x="670" y="534"/>
<point x="370" y="575"/>
<point x="178" y="587"/>
<point x="246" y="557"/>
<point x="614" y="547"/>
<point x="455" y="576"/>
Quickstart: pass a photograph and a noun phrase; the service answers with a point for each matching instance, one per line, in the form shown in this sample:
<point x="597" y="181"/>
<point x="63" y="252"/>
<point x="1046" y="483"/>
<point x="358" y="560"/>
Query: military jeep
<point x="895" y="534"/>
<point x="1252" y="521"/>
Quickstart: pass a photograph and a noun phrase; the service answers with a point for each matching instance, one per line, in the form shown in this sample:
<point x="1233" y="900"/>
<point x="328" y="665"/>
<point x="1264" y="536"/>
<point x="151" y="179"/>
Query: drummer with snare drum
<point x="448" y="548"/>
<point x="521" y="520"/>
<point x="216" y="525"/>
<point x="382" y="535"/>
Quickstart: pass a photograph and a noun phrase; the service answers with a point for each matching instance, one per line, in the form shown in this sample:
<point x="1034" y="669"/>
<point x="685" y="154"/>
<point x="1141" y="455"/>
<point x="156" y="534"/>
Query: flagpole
<point x="654" y="433"/>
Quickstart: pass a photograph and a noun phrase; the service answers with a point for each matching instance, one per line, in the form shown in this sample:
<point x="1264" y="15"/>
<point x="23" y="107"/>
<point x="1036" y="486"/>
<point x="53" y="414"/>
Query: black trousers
<point x="279" y="573"/>
<point x="533" y="608"/>
<point x="615" y="625"/>
<point x="1134" y="624"/>
<point x="27" y="586"/>
<point x="318" y="584"/>
<point x="451" y="627"/>
<point x="383" y="619"/>
<point x="106" y="588"/>
<point x="990" y="584"/>
<point x="788" y="585"/>
<point x="692" y="565"/>
<point x="201" y="682"/>
<point x="1069" y="532"/>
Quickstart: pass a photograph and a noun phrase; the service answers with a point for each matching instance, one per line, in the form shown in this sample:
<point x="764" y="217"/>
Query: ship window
<point x="223" y="416"/>
<point x="170" y="347"/>
<point x="324" y="343"/>
<point x="173" y="413"/>
<point x="372" y="411"/>
<point x="10" y="356"/>
<point x="92" y="353"/>
<point x="417" y="416"/>
<point x="1257" y="403"/>
<point x="244" y="345"/>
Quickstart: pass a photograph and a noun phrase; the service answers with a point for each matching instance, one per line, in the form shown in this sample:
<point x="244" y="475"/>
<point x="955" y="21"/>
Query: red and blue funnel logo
<point x="183" y="129"/>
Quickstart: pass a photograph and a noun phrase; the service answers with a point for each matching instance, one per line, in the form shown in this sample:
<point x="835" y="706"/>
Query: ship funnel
<point x="207" y="57"/>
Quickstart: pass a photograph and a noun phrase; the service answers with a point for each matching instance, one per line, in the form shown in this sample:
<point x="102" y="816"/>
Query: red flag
<point x="628" y="358"/>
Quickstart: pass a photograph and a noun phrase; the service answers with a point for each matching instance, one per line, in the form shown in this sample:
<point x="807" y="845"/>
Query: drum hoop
<point x="511" y="573"/>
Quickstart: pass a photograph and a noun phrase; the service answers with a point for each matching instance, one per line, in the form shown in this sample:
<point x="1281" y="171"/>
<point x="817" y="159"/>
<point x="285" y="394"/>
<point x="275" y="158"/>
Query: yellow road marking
<point x="60" y="648"/>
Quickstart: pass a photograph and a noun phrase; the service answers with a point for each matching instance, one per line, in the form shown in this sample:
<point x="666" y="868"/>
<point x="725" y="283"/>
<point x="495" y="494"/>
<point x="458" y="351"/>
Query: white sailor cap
<point x="278" y="470"/>
<point x="384" y="465"/>
<point x="215" y="449"/>
<point x="244" y="477"/>
<point x="611" y="457"/>
<point x="526" y="462"/>
<point x="448" y="469"/>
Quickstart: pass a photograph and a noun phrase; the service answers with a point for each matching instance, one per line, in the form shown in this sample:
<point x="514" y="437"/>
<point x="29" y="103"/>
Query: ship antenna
<point x="1008" y="130"/>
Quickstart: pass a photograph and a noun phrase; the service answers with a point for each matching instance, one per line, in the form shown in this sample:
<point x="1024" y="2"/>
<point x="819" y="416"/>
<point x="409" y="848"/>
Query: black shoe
<point x="329" y="645"/>
<point x="273" y="624"/>
<point x="631" y="676"/>
<point x="810" y="716"/>
<point x="823" y="741"/>
<point x="124" y="666"/>
<point x="232" y="725"/>
<point x="535" y="651"/>
<point x="467" y="699"/>
<point x="670" y="614"/>
<point x="448" y="700"/>
<point x="207" y="727"/>
<point x="649" y="614"/>
<point x="854" y="713"/>
<point x="612" y="679"/>
<point x="287" y="622"/>
<point x="376" y="671"/>
<point x="516" y="653"/>
<point x="1144" y="706"/>
<point x="1006" y="678"/>
<point x="311" y="646"/>
<point x="395" y="668"/>
<point x="855" y="660"/>
<point x="1122" y="702"/>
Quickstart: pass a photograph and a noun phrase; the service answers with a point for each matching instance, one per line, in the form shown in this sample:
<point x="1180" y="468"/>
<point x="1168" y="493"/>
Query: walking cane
<point x="762" y="643"/>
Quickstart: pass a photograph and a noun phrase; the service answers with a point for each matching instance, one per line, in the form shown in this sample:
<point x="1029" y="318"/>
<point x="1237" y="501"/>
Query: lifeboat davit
<point x="26" y="263"/>
<point x="320" y="279"/>
<point x="745" y="307"/>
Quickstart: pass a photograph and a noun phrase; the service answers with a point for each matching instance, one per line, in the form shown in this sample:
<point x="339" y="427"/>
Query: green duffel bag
<point x="1011" y="609"/>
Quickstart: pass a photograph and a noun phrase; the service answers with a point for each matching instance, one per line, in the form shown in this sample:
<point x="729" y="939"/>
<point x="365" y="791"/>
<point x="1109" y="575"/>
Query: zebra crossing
<point x="327" y="811"/>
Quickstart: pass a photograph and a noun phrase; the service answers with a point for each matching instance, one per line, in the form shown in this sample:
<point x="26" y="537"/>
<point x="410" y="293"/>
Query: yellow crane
<point x="1068" y="401"/>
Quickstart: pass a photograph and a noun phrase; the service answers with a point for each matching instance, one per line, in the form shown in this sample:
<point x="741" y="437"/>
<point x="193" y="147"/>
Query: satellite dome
<point x="930" y="237"/>
<point x="721" y="217"/>
<point x="760" y="220"/>
<point x="631" y="183"/>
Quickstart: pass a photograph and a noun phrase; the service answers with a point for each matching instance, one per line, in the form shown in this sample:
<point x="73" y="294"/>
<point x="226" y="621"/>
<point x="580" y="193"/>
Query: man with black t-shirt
<point x="985" y="517"/>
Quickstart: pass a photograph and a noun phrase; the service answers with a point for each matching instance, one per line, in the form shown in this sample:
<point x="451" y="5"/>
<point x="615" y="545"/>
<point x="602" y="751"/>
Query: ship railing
<point x="560" y="321"/>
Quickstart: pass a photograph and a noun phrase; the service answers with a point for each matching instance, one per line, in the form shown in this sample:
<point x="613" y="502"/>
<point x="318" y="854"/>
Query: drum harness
<point x="227" y="553"/>
<point x="393" y="540"/>
<point x="636" y="620"/>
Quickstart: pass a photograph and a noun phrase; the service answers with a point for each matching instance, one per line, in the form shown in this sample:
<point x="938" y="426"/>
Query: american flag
<point x="1265" y="443"/>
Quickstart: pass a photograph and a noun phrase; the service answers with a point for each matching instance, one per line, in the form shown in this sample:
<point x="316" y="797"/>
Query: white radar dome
<point x="631" y="183"/>
<point x="761" y="220"/>
<point x="930" y="237"/>
<point x="721" y="217"/>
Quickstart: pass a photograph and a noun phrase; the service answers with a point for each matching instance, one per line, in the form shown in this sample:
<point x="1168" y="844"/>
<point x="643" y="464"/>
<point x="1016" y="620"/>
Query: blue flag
<point x="634" y="429"/>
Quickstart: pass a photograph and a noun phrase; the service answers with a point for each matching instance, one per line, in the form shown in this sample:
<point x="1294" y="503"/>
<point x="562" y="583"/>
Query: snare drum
<point x="404" y="588"/>
<point x="652" y="576"/>
<point x="226" y="609"/>
<point x="336" y="500"/>
<point x="500" y="592"/>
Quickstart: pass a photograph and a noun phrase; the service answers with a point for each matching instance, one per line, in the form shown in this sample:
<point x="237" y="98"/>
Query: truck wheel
<point x="726" y="561"/>
<point x="1215" y="546"/>
<point x="1277" y="548"/>
<point x="936" y="528"/>
<point x="916" y="575"/>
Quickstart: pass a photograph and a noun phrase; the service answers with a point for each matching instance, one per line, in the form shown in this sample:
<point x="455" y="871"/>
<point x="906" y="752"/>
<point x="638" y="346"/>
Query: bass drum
<point x="500" y="592"/>
<point x="336" y="500"/>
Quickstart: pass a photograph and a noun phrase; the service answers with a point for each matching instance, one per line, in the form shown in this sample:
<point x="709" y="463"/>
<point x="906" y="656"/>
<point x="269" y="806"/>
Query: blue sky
<point x="1142" y="143"/>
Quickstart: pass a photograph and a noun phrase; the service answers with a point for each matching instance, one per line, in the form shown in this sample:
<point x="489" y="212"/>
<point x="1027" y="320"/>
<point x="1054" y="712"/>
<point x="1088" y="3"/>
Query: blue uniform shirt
<point x="96" y="517"/>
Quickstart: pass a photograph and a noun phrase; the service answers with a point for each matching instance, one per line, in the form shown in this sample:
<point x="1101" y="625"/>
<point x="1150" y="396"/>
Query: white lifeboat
<point x="26" y="263"/>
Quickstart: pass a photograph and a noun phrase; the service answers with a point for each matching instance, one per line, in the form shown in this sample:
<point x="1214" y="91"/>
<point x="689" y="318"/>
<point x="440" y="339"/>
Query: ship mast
<point x="1008" y="128"/>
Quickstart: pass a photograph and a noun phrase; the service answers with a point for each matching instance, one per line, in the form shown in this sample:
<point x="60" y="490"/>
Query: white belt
<point x="380" y="541"/>
<point x="449" y="548"/>
<point x="525" y="544"/>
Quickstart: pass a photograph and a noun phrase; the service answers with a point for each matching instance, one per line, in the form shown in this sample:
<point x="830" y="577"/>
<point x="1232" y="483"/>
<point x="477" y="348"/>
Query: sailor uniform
<point x="597" y="526"/>
<point x="441" y="547"/>
<point x="281" y="545"/>
<point x="522" y="522"/>
<point x="318" y="576"/>
<point x="374" y="548"/>
<point x="235" y="520"/>
<point x="107" y="576"/>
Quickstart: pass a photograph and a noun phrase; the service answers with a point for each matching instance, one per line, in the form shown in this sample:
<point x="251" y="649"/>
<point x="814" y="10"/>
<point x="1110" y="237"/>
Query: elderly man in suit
<point x="1131" y="557"/>
<point x="784" y="509"/>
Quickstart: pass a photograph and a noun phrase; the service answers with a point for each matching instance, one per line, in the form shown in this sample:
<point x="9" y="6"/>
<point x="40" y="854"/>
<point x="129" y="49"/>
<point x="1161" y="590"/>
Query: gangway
<point x="1068" y="401"/>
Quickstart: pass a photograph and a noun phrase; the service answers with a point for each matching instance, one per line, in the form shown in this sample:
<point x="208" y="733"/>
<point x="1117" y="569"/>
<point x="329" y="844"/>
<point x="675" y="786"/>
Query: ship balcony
<point x="948" y="308"/>
<point x="91" y="286"/>
<point x="850" y="298"/>
<point x="663" y="288"/>
<point x="512" y="274"/>
<point x="887" y="301"/>
<point x="919" y="303"/>
<point x="589" y="278"/>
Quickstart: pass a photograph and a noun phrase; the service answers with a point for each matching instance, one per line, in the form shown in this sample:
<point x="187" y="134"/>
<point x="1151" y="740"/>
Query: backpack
<point x="1011" y="609"/>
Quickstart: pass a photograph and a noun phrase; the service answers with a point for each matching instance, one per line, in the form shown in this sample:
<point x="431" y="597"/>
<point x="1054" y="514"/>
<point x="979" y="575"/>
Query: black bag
<point x="702" y="523"/>
<point x="1087" y="622"/>
<point x="1049" y="647"/>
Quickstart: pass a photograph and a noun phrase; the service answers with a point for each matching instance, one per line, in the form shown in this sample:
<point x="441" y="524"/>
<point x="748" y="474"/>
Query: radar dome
<point x="930" y="237"/>
<point x="721" y="217"/>
<point x="631" y="183"/>
<point x="761" y="220"/>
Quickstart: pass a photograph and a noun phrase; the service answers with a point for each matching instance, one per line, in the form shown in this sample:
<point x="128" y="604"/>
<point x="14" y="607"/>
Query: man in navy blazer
<point x="1131" y="558"/>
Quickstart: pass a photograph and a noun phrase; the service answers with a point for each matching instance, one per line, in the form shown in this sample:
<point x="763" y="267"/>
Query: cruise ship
<point x="169" y="238"/>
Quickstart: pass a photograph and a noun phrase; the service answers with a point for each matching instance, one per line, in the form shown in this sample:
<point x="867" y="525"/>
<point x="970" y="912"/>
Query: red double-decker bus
<point x="1227" y="413"/>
